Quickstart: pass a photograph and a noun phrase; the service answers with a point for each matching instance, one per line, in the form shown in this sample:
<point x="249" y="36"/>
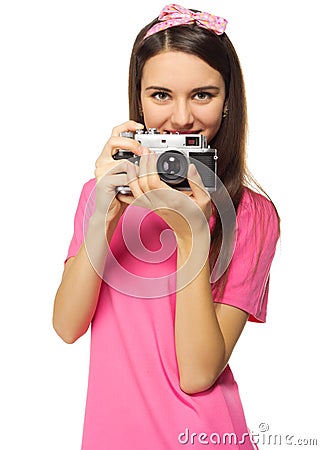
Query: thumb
<point x="195" y="181"/>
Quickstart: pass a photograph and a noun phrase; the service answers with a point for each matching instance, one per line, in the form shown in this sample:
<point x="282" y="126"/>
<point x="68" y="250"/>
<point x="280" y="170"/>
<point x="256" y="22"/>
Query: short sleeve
<point x="83" y="212"/>
<point x="248" y="274"/>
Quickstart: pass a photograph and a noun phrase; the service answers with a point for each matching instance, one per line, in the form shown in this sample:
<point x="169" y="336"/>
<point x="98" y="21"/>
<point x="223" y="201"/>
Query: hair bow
<point x="173" y="15"/>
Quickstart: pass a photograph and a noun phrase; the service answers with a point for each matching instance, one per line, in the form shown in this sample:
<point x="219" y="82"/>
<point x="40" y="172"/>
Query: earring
<point x="225" y="113"/>
<point x="141" y="113"/>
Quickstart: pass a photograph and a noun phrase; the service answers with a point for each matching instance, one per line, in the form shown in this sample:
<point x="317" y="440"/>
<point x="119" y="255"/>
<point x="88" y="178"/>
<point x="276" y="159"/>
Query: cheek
<point x="154" y="116"/>
<point x="212" y="122"/>
<point x="213" y="114"/>
<point x="211" y="132"/>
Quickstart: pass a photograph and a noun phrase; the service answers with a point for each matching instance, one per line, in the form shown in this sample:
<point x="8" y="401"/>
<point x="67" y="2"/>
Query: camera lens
<point x="172" y="167"/>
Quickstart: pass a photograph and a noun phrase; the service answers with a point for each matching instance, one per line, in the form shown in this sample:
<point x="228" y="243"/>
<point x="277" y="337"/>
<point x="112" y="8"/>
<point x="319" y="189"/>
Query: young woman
<point x="139" y="266"/>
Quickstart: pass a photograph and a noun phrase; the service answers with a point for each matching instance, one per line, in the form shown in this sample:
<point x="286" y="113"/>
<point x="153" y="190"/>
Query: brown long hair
<point x="218" y="52"/>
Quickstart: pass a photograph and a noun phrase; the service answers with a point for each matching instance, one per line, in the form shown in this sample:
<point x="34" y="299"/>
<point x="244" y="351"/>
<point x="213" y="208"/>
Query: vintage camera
<point x="175" y="152"/>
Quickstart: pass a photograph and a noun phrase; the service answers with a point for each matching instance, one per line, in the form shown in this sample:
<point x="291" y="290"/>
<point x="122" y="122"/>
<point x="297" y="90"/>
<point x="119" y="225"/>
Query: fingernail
<point x="192" y="169"/>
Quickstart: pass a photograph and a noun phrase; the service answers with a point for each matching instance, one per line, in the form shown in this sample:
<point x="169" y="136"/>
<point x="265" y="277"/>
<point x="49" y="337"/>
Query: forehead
<point x="177" y="69"/>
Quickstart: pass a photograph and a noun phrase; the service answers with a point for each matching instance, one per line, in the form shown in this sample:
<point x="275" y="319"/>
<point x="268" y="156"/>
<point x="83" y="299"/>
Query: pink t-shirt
<point x="134" y="401"/>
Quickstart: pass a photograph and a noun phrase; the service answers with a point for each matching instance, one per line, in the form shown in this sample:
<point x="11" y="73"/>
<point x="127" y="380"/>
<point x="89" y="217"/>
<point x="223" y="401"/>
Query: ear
<point x="225" y="110"/>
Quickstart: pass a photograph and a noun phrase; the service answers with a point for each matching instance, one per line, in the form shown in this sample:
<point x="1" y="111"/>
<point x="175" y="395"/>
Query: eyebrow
<point x="201" y="88"/>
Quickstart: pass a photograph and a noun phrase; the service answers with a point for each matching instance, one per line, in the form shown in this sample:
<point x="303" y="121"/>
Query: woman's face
<point x="182" y="93"/>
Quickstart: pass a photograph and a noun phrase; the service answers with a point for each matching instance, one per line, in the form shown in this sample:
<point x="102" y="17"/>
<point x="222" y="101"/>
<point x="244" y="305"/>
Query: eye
<point x="203" y="96"/>
<point x="161" y="96"/>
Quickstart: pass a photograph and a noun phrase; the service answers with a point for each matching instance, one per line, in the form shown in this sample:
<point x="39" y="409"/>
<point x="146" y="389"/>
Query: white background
<point x="63" y="87"/>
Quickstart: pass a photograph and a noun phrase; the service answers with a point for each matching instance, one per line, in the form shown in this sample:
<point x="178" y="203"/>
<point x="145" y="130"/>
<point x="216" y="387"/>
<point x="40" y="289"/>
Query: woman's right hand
<point x="77" y="296"/>
<point x="111" y="173"/>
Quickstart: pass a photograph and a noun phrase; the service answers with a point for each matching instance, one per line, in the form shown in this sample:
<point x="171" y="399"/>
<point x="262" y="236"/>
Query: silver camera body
<point x="175" y="153"/>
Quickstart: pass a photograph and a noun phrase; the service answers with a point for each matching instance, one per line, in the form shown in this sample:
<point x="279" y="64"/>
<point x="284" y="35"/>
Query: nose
<point x="182" y="117"/>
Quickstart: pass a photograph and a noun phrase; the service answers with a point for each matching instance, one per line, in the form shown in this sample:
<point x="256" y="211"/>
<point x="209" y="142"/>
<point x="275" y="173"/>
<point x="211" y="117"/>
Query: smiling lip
<point x="183" y="131"/>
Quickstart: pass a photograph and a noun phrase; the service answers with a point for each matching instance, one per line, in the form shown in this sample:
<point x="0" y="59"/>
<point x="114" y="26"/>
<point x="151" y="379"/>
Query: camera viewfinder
<point x="192" y="141"/>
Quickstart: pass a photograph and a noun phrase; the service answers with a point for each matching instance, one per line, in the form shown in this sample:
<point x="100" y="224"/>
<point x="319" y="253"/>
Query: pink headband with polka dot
<point x="173" y="15"/>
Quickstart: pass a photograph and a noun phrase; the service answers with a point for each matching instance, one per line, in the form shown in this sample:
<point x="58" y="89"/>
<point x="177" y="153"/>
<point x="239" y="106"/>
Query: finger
<point x="113" y="181"/>
<point x="132" y="179"/>
<point x="143" y="172"/>
<point x="132" y="171"/>
<point x="199" y="193"/>
<point x="125" y="143"/>
<point x="130" y="125"/>
<point x="112" y="147"/>
<point x="117" y="167"/>
<point x="148" y="174"/>
<point x="115" y="143"/>
<point x="153" y="178"/>
<point x="196" y="183"/>
<point x="127" y="199"/>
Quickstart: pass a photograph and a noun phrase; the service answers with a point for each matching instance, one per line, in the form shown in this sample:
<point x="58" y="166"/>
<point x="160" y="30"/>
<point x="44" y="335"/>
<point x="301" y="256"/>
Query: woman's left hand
<point x="186" y="213"/>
